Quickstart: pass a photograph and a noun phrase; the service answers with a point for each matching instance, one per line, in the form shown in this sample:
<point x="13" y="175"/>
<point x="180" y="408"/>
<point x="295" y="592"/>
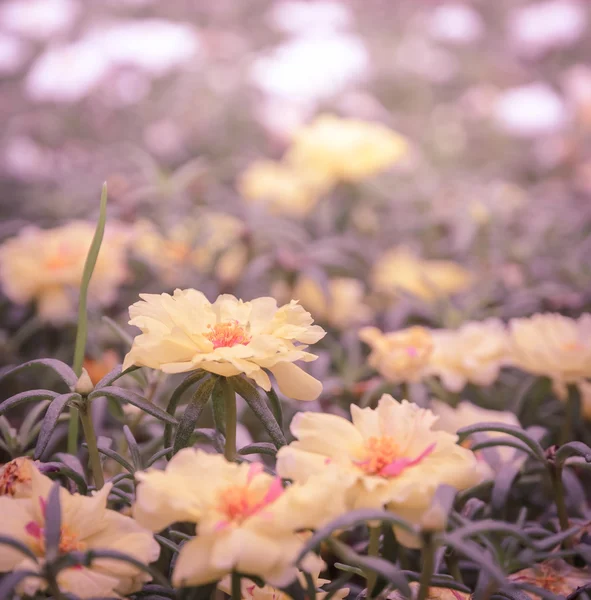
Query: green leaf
<point x="160" y="454"/>
<point x="103" y="449"/>
<point x="13" y="401"/>
<point x="59" y="468"/>
<point x="489" y="526"/>
<point x="218" y="405"/>
<point x="50" y="420"/>
<point x="192" y="413"/>
<point x="62" y="370"/>
<point x="17" y="545"/>
<point x="166" y="543"/>
<point x="11" y="581"/>
<point x="512" y="430"/>
<point x="474" y="553"/>
<point x="214" y="437"/>
<point x="503" y="483"/>
<point x="259" y="407"/>
<point x="115" y="374"/>
<point x="276" y="406"/>
<point x="130" y="397"/>
<point x="189" y="381"/>
<point x="134" y="450"/>
<point x="510" y="442"/>
<point x="258" y="448"/>
<point x="30" y="420"/>
<point x="349" y="569"/>
<point x="572" y="449"/>
<point x="53" y="522"/>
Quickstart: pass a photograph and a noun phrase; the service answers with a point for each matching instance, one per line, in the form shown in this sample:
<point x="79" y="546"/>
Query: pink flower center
<point x="227" y="334"/>
<point x="382" y="456"/>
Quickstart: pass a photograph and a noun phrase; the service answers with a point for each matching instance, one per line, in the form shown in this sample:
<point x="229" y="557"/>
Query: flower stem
<point x="571" y="412"/>
<point x="372" y="550"/>
<point x="229" y="396"/>
<point x="236" y="591"/>
<point x="428" y="559"/>
<point x="93" y="453"/>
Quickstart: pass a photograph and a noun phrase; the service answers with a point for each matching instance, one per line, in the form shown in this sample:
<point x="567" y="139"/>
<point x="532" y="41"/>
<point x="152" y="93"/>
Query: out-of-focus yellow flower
<point x="245" y="520"/>
<point x="283" y="189"/>
<point x="553" y="346"/>
<point x="399" y="356"/>
<point x="473" y="353"/>
<point x="553" y="575"/>
<point x="15" y="478"/>
<point x="345" y="149"/>
<point x="398" y="270"/>
<point x="389" y="457"/>
<point x="46" y="265"/>
<point x="186" y="332"/>
<point x="341" y="305"/>
<point x="465" y="414"/>
<point x="86" y="524"/>
<point x="434" y="593"/>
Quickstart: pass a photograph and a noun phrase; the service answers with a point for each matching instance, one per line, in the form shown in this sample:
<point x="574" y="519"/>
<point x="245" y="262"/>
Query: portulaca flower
<point x="39" y="19"/>
<point x="15" y="478"/>
<point x="390" y="456"/>
<point x="186" y="332"/>
<point x="456" y="23"/>
<point x="86" y="524"/>
<point x="245" y="519"/>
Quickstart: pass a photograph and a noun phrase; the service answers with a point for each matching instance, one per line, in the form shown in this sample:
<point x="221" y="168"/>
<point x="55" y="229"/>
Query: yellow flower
<point x="345" y="149"/>
<point x="465" y="414"/>
<point x="185" y="332"/>
<point x="400" y="355"/>
<point x="15" y="478"/>
<point x="86" y="524"/>
<point x="398" y="270"/>
<point x="473" y="353"/>
<point x="389" y="457"/>
<point x="47" y="265"/>
<point x="245" y="520"/>
<point x="553" y="575"/>
<point x="553" y="346"/>
<point x="283" y="189"/>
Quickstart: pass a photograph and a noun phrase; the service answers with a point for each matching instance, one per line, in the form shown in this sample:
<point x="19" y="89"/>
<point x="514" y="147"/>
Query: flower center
<point x="227" y="334"/>
<point x="177" y="251"/>
<point x="382" y="457"/>
<point x="13" y="473"/>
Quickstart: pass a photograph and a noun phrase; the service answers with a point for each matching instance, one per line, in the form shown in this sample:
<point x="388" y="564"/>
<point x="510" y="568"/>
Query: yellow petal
<point x="295" y="383"/>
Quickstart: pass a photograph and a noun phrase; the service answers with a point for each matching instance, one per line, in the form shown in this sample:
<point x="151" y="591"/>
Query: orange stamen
<point x="228" y="334"/>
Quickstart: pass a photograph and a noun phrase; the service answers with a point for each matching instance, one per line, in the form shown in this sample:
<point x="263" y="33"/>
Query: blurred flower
<point x="345" y="149"/>
<point x="341" y="304"/>
<point x="312" y="68"/>
<point x="542" y="26"/>
<point x="387" y="456"/>
<point x="245" y="520"/>
<point x="577" y="85"/>
<point x="399" y="356"/>
<point x="39" y="19"/>
<point x="456" y="23"/>
<point x="13" y="54"/>
<point x="553" y="575"/>
<point x="86" y="524"/>
<point x="554" y="346"/>
<point x="15" y="478"/>
<point x="97" y="368"/>
<point x="473" y="353"/>
<point x="283" y="189"/>
<point x="530" y="110"/>
<point x="186" y="332"/>
<point x="585" y="394"/>
<point x="465" y="414"/>
<point x="46" y="265"/>
<point x="399" y="270"/>
<point x="310" y="18"/>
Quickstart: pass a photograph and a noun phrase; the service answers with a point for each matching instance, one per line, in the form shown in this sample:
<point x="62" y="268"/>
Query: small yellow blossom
<point x="465" y="414"/>
<point x="186" y="332"/>
<point x="553" y="346"/>
<point x="389" y="456"/>
<point x="345" y="149"/>
<point x="473" y="353"/>
<point x="399" y="270"/>
<point x="15" y="478"/>
<point x="283" y="189"/>
<point x="553" y="575"/>
<point x="246" y="520"/>
<point x="46" y="265"/>
<point x="399" y="356"/>
<point x="86" y="525"/>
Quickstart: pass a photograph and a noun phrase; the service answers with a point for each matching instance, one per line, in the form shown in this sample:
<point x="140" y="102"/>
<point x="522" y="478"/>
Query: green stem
<point x="428" y="559"/>
<point x="229" y="396"/>
<point x="559" y="498"/>
<point x="93" y="453"/>
<point x="73" y="431"/>
<point x="373" y="550"/>
<point x="572" y="411"/>
<point x="453" y="566"/>
<point x="236" y="591"/>
<point x="404" y="391"/>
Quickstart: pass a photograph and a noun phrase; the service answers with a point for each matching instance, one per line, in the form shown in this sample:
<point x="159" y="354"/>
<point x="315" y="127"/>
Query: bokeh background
<point x="173" y="102"/>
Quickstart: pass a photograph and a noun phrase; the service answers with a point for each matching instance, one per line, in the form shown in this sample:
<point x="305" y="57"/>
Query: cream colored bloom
<point x="86" y="524"/>
<point x="400" y="355"/>
<point x="245" y="520"/>
<point x="345" y="149"/>
<point x="185" y="332"/>
<point x="553" y="346"/>
<point x="474" y="353"/>
<point x="553" y="575"/>
<point x="46" y="265"/>
<point x="283" y="189"/>
<point x="15" y="478"/>
<point x="390" y="456"/>
<point x="465" y="414"/>
<point x="398" y="270"/>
